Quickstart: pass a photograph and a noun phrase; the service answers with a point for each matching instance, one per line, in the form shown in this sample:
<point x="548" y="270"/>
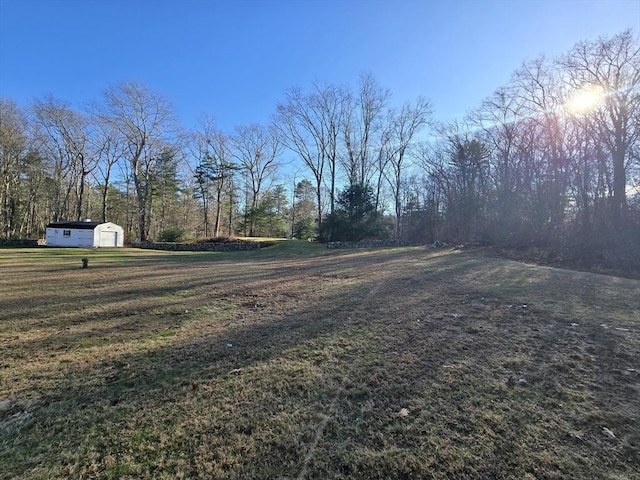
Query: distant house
<point x="84" y="234"/>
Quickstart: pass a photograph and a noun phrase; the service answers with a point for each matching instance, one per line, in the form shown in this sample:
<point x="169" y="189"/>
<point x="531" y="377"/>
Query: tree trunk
<point x="619" y="189"/>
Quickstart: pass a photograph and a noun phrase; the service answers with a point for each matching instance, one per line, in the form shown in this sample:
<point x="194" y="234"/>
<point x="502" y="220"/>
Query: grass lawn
<point x="298" y="362"/>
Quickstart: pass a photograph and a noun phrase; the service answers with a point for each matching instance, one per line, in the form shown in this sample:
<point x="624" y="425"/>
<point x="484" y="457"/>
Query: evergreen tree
<point x="355" y="217"/>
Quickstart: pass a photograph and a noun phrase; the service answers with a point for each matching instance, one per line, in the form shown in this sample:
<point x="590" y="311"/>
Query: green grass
<point x="280" y="248"/>
<point x="296" y="362"/>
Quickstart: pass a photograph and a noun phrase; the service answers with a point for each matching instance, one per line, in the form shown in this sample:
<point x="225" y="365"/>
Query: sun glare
<point x="586" y="99"/>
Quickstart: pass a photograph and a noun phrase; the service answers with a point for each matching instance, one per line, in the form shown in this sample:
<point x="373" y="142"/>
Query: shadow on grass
<point x="387" y="330"/>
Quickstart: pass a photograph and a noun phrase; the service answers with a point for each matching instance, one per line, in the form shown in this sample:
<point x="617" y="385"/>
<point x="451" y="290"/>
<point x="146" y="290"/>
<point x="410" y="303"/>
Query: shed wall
<point x="75" y="238"/>
<point x="103" y="235"/>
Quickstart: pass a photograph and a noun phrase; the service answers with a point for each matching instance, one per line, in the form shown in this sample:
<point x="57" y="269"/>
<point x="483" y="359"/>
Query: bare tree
<point x="611" y="65"/>
<point x="501" y="121"/>
<point x="64" y="140"/>
<point x="406" y="124"/>
<point x="109" y="146"/>
<point x="537" y="86"/>
<point x="363" y="130"/>
<point x="310" y="125"/>
<point x="256" y="149"/>
<point x="146" y="121"/>
<point x="13" y="147"/>
<point x="458" y="166"/>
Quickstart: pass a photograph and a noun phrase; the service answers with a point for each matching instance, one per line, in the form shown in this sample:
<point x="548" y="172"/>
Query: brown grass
<point x="264" y="365"/>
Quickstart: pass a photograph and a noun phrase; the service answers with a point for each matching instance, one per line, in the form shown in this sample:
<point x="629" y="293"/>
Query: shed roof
<point x="76" y="225"/>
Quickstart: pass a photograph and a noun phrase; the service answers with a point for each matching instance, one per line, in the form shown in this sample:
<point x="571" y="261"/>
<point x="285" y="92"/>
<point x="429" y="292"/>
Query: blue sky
<point x="235" y="59"/>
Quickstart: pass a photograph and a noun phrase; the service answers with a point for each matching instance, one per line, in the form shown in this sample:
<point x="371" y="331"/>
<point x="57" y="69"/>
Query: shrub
<point x="172" y="234"/>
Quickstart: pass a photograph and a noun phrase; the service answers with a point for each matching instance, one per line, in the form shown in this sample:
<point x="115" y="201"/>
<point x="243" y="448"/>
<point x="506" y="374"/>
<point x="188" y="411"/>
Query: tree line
<point x="552" y="157"/>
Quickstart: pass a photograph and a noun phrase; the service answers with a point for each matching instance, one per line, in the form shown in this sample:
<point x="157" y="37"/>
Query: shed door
<point x="108" y="239"/>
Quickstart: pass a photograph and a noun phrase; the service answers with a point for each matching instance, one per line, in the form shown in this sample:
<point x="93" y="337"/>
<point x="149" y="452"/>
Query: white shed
<point x="84" y="234"/>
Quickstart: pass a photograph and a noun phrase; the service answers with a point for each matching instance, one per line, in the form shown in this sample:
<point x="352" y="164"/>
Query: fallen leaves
<point x="609" y="434"/>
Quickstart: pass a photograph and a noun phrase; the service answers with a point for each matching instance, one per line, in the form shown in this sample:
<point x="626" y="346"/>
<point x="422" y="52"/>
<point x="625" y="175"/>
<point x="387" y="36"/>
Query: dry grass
<point x="297" y="362"/>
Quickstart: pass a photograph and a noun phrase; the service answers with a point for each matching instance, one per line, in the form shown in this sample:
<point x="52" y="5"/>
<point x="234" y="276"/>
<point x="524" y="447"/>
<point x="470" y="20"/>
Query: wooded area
<point x="552" y="158"/>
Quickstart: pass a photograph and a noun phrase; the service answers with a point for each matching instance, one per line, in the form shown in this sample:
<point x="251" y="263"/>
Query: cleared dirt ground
<point x="303" y="363"/>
